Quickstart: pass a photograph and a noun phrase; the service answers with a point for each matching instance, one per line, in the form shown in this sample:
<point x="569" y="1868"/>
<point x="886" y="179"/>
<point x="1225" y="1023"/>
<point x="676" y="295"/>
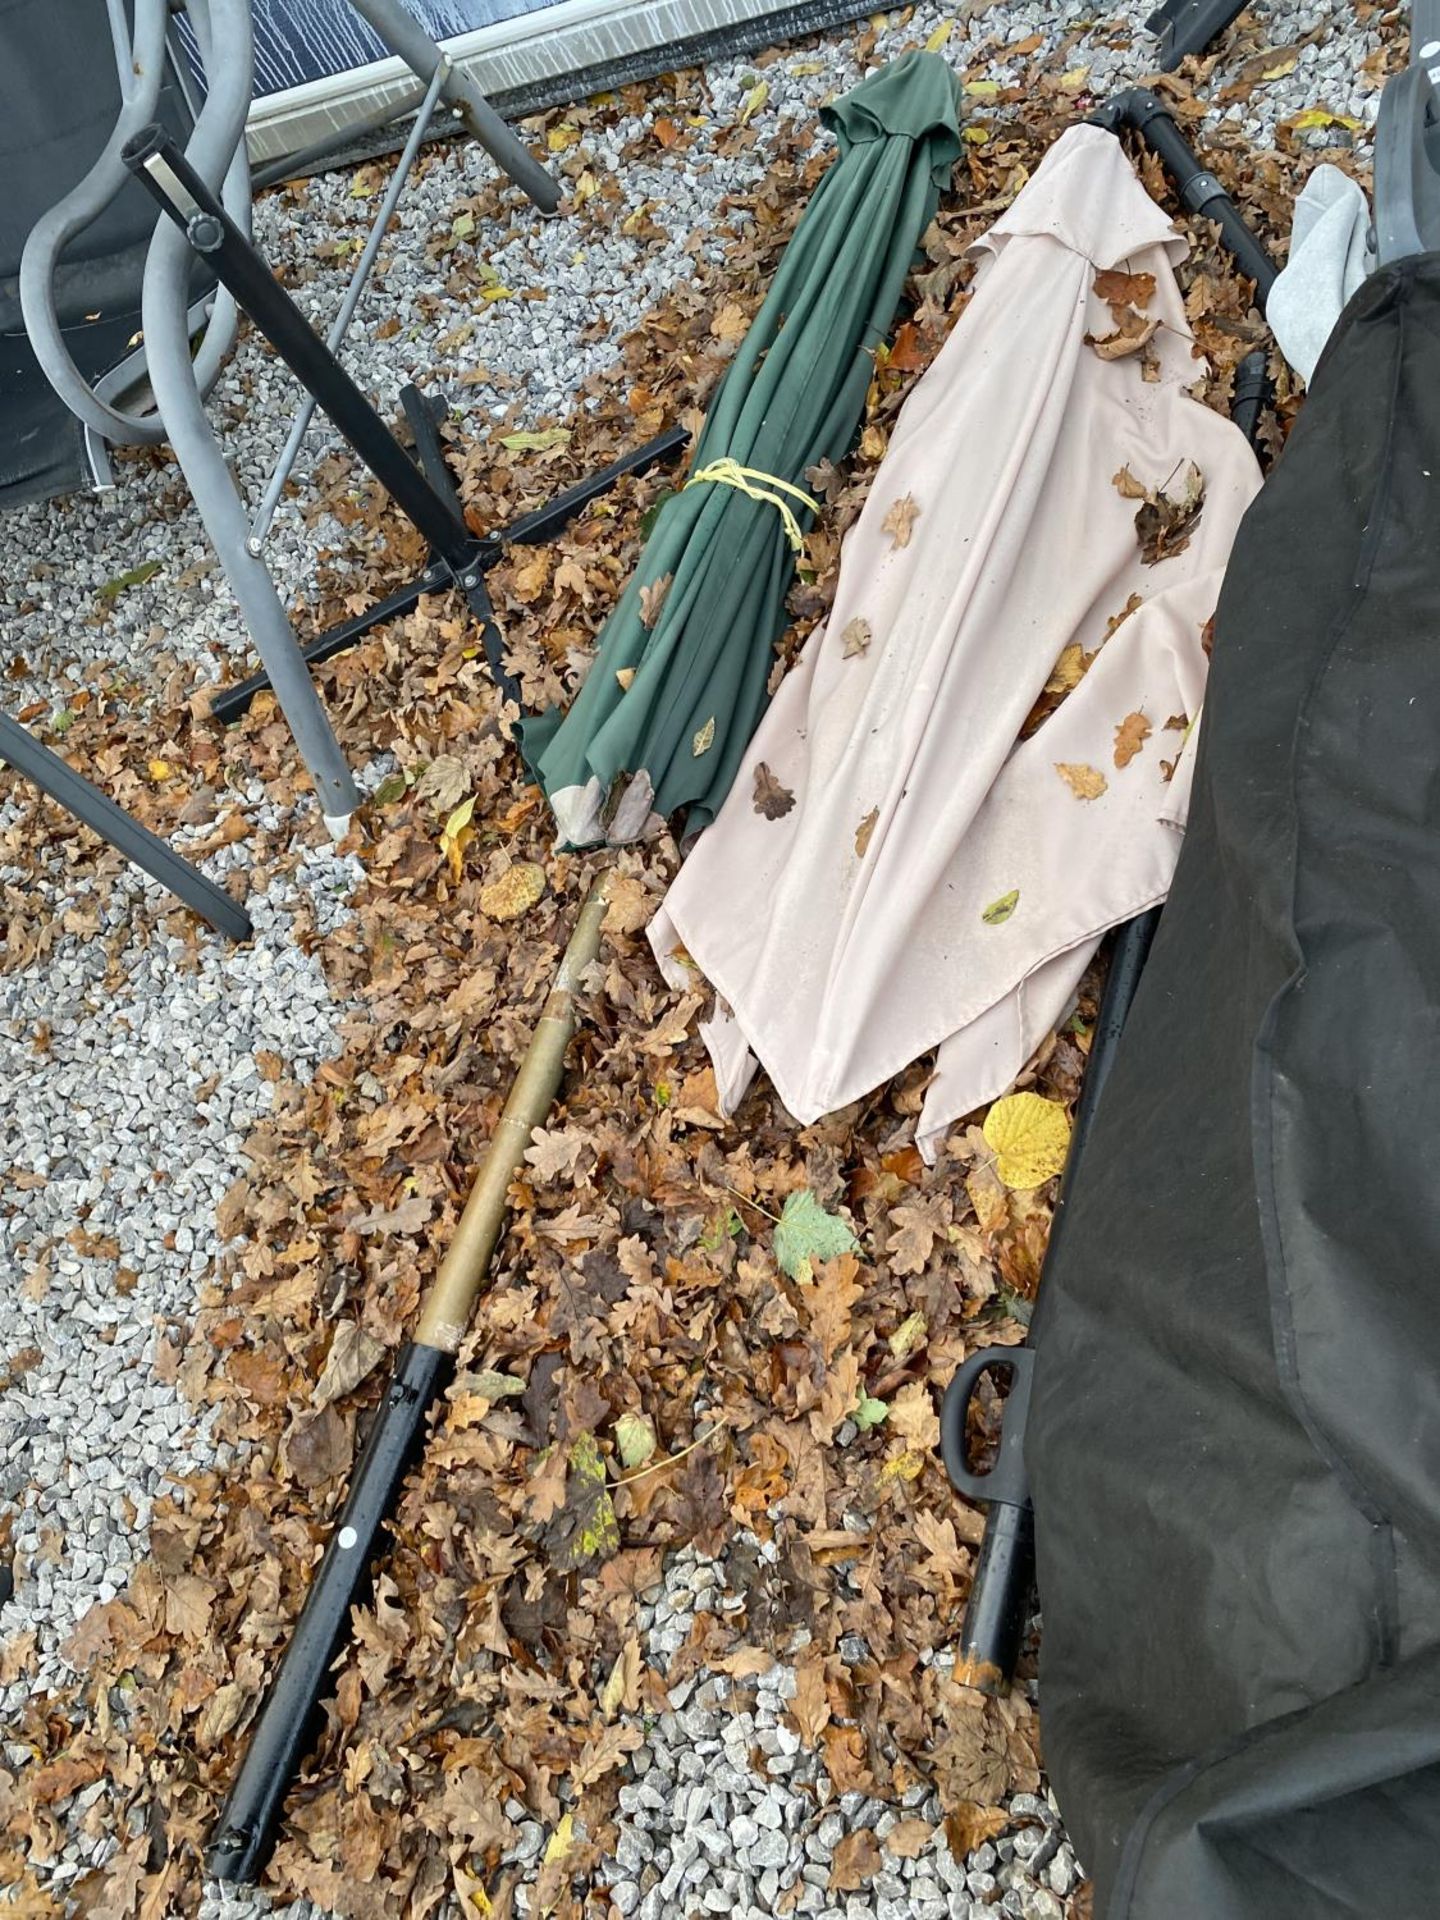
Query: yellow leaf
<point x="1030" y="1137"/>
<point x="909" y="1333"/>
<point x="753" y="101"/>
<point x="561" y="1840"/>
<point x="939" y="36"/>
<point x="514" y="893"/>
<point x="626" y="677"/>
<point x="541" y="442"/>
<point x="999" y="911"/>
<point x="457" y="823"/>
<point x="975" y="136"/>
<point x="905" y="1466"/>
<point x="1069" y="670"/>
<point x="982" y="89"/>
<point x="1085" y="782"/>
<point x="585" y="188"/>
<point x="704" y="739"/>
<point x="160" y="769"/>
<point x="1314" y="117"/>
<point x="496" y="293"/>
<point x="1074" y="81"/>
<point x="1279" y="72"/>
<point x="560" y="139"/>
<point x="457" y="835"/>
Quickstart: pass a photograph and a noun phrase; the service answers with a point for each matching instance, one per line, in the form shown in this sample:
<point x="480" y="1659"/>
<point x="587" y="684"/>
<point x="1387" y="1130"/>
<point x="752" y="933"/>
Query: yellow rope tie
<point x="760" y="486"/>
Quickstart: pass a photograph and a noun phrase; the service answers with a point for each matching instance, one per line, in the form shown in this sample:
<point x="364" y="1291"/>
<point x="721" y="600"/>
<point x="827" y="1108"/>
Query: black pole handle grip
<point x="1005" y="1483"/>
<point x="244" y="1835"/>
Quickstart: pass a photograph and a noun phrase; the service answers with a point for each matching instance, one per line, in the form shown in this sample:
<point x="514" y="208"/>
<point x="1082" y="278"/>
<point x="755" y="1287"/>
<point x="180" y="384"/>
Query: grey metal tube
<point x="404" y="36"/>
<point x="340" y="326"/>
<point x="141" y="73"/>
<point x="220" y="126"/>
<point x="120" y="38"/>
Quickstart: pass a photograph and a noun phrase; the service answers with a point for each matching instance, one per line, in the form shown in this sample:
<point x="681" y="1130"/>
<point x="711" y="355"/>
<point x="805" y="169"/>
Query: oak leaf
<point x="1130" y="736"/>
<point x="1118" y="288"/>
<point x="1085" y="782"/>
<point x="771" y="800"/>
<point x="855" y="635"/>
<point x="554" y="1151"/>
<point x="900" y="520"/>
<point x="856" y="1861"/>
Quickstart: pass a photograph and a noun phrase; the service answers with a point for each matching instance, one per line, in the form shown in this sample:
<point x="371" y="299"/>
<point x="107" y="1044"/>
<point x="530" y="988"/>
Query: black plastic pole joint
<point x="1197" y="186"/>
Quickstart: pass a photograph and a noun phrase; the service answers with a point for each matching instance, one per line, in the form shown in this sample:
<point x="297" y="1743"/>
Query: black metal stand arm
<point x="1188" y="26"/>
<point x="530" y="530"/>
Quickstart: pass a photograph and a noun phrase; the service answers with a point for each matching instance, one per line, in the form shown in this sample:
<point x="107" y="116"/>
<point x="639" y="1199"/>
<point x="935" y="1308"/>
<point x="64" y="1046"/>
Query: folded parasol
<point x="723" y="551"/>
<point x="892" y="873"/>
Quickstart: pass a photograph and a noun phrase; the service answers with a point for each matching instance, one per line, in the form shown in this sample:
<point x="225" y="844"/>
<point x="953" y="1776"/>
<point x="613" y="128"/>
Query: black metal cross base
<point x="425" y="492"/>
<point x="531" y="529"/>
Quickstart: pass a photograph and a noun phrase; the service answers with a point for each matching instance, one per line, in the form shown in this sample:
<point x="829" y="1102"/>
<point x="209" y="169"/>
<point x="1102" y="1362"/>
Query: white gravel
<point x="90" y="1433"/>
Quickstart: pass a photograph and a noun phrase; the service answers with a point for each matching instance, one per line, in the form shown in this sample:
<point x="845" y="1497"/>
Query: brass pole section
<point x="452" y="1293"/>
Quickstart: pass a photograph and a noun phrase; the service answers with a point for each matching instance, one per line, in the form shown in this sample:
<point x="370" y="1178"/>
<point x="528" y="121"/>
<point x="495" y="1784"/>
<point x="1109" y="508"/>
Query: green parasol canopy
<point x="665" y="715"/>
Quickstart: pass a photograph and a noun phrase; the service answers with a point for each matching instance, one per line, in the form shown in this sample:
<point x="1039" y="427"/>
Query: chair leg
<point x="121" y="830"/>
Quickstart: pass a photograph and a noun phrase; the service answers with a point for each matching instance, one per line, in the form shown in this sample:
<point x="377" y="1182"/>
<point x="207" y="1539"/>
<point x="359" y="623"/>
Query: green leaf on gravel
<point x="806" y="1232"/>
<point x="390" y="789"/>
<point x="136" y="577"/>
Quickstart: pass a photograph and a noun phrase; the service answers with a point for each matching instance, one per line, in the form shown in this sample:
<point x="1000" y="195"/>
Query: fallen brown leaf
<point x="1085" y="782"/>
<point x="771" y="801"/>
<point x="899" y="521"/>
<point x="1130" y="736"/>
<point x="856" y="633"/>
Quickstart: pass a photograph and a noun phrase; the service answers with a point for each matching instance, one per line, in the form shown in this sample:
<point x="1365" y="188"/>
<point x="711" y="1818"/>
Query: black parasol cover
<point x="1234" y="1439"/>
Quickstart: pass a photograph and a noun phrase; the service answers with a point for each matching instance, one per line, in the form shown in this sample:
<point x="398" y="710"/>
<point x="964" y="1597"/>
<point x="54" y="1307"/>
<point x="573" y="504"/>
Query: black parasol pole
<point x="285" y="1727"/>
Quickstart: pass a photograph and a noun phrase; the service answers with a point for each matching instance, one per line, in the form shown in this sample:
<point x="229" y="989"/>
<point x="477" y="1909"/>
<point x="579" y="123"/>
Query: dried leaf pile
<point x="698" y="1331"/>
